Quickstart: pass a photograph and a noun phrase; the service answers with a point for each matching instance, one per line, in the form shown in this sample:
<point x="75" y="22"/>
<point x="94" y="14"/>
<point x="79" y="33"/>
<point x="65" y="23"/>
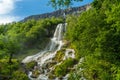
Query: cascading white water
<point x="57" y="38"/>
<point x="69" y="53"/>
<point x="55" y="45"/>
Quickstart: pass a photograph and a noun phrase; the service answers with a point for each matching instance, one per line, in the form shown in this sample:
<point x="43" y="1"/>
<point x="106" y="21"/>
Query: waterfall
<point x="42" y="57"/>
<point x="57" y="38"/>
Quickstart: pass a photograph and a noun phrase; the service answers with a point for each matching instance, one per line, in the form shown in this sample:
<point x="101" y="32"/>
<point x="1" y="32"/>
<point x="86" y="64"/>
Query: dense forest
<point x="94" y="35"/>
<point x="19" y="39"/>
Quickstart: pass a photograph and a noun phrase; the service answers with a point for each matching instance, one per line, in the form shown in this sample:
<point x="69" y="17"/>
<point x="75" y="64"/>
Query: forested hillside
<point x="94" y="35"/>
<point x="20" y="39"/>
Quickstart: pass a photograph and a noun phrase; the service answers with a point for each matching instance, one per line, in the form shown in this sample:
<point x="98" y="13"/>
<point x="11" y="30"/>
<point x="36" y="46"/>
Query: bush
<point x="64" y="67"/>
<point x="31" y="65"/>
<point x="19" y="75"/>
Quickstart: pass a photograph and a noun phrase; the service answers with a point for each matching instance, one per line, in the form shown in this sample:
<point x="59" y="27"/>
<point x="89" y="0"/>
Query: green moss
<point x="31" y="65"/>
<point x="65" y="67"/>
<point x="50" y="64"/>
<point x="36" y="73"/>
<point x="59" y="56"/>
<point x="19" y="75"/>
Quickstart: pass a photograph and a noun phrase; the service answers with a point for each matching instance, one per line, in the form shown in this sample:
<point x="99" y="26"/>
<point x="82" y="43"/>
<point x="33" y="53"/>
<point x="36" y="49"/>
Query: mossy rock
<point x="31" y="65"/>
<point x="59" y="56"/>
<point x="67" y="44"/>
<point x="51" y="76"/>
<point x="64" y="67"/>
<point x="36" y="73"/>
<point x="50" y="64"/>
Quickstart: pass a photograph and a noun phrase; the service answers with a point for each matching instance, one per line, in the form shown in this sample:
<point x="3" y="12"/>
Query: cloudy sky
<point x="15" y="10"/>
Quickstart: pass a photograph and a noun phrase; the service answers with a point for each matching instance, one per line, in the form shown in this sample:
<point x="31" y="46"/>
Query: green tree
<point x="95" y="35"/>
<point x="62" y="3"/>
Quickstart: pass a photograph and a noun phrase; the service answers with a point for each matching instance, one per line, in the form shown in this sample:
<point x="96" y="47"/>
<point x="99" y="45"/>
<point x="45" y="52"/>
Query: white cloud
<point x="8" y="19"/>
<point x="6" y="8"/>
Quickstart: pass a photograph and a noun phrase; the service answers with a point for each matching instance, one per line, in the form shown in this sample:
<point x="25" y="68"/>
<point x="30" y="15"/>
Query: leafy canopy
<point x="62" y="3"/>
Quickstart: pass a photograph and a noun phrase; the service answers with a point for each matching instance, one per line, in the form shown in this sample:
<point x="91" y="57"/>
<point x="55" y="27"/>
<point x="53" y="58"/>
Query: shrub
<point x="64" y="67"/>
<point x="31" y="65"/>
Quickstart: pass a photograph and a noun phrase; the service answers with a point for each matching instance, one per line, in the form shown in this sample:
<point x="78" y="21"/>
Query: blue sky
<point x="15" y="10"/>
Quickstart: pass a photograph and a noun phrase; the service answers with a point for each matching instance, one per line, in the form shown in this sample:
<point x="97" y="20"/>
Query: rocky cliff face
<point x="59" y="13"/>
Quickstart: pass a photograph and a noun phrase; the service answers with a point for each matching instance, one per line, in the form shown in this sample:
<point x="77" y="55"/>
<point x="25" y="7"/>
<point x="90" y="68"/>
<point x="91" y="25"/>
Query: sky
<point x="15" y="10"/>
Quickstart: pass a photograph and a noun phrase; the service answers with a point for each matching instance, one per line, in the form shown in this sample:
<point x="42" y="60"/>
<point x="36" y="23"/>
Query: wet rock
<point x="51" y="76"/>
<point x="50" y="64"/>
<point x="35" y="73"/>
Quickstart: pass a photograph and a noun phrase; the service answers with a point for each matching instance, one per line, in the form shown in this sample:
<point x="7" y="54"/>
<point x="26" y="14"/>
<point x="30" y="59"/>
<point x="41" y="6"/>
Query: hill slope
<point x="59" y="13"/>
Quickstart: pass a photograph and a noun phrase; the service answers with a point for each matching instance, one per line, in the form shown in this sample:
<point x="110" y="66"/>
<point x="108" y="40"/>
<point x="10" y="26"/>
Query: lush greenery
<point x="21" y="38"/>
<point x="64" y="67"/>
<point x="11" y="71"/>
<point x="59" y="56"/>
<point x="95" y="35"/>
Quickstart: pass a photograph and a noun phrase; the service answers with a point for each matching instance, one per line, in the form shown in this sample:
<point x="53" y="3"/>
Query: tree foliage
<point x="62" y="3"/>
<point x="95" y="36"/>
<point x="20" y="37"/>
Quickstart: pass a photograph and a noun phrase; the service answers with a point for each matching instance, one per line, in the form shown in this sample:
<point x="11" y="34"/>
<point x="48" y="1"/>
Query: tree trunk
<point x="10" y="58"/>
